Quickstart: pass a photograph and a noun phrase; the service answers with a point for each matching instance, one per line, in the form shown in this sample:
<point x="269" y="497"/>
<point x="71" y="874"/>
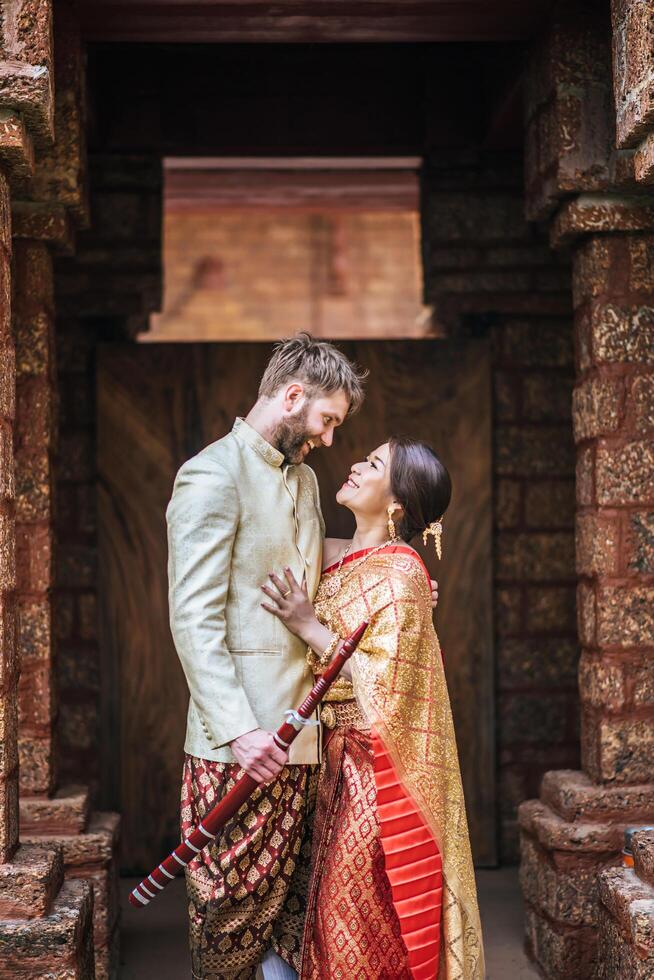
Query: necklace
<point x="332" y="586"/>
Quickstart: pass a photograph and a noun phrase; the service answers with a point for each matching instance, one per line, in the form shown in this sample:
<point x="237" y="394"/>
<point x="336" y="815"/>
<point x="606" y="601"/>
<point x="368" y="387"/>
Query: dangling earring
<point x="392" y="533"/>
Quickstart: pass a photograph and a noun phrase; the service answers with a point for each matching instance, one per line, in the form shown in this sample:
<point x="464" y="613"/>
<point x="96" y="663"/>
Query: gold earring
<point x="436" y="529"/>
<point x="392" y="533"/>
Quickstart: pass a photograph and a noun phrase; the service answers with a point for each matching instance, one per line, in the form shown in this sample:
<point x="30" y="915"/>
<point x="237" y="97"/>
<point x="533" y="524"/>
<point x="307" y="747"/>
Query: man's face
<point x="310" y="425"/>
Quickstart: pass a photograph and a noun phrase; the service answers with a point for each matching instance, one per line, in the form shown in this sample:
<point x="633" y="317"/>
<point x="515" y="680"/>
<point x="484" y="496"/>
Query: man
<point x="243" y="507"/>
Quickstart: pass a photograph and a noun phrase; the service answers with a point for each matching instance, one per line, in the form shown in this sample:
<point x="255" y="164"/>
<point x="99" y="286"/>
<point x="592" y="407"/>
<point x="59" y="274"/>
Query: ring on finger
<point x="284" y="594"/>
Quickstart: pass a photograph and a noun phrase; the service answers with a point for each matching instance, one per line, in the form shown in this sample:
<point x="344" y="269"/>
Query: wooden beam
<point x="165" y="21"/>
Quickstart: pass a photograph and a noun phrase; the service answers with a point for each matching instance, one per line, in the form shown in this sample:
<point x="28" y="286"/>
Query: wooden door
<point x="160" y="404"/>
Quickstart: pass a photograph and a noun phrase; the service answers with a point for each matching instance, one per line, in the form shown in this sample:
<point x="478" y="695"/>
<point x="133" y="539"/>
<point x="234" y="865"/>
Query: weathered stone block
<point x="633" y="70"/>
<point x="642" y="402"/>
<point x="67" y="812"/>
<point x="640" y="682"/>
<point x="530" y="717"/>
<point x="59" y="946"/>
<point x="538" y="451"/>
<point x="535" y="556"/>
<point x="7" y="481"/>
<point x="36" y="698"/>
<point x="546" y="399"/>
<point x="625" y="615"/>
<point x="16" y="150"/>
<point x="617" y="750"/>
<point x="565" y="894"/>
<point x="639" y="535"/>
<point x="643" y="851"/>
<point x="585" y="477"/>
<point x="572" y="795"/>
<point x="541" y="344"/>
<point x="625" y="475"/>
<point x="551" y="608"/>
<point x="35" y="630"/>
<point x="36" y="764"/>
<point x="597" y="540"/>
<point x="7" y="551"/>
<point x="538" y="662"/>
<point x="597" y="408"/>
<point x="550" y="504"/>
<point x="561" y="952"/>
<point x="9" y="658"/>
<point x="622" y="334"/>
<point x="589" y="214"/>
<point x="641" y="259"/>
<point x="34" y="557"/>
<point x="616" y="957"/>
<point x="507" y="503"/>
<point x="601" y="683"/>
<point x="555" y="834"/>
<point x="7" y="381"/>
<point x="586" y="613"/>
<point x="644" y="160"/>
<point x="8" y="813"/>
<point x="30" y="882"/>
<point x="8" y="731"/>
<point x="34" y="414"/>
<point x="94" y="848"/>
<point x="33" y="487"/>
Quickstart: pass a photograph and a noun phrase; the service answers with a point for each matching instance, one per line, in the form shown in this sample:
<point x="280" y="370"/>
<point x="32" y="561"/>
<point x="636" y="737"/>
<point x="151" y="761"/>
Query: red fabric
<point x="413" y="866"/>
<point x="391" y="549"/>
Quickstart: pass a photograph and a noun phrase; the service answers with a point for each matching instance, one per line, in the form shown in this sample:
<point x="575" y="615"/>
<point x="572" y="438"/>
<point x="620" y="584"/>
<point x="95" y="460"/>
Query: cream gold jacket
<point x="237" y="514"/>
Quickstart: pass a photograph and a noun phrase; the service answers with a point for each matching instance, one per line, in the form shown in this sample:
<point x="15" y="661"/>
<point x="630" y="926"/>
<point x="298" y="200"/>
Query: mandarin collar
<point x="257" y="442"/>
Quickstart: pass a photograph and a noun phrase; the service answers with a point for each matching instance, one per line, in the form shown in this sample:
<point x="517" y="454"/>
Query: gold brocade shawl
<point x="399" y="681"/>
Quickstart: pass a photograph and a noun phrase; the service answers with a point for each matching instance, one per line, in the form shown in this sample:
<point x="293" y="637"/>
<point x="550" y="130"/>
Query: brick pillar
<point x="576" y="173"/>
<point x="33" y="318"/>
<point x="45" y="922"/>
<point x="8" y="660"/>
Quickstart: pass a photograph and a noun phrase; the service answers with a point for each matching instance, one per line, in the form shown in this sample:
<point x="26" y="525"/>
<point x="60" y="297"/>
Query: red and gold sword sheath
<point x="231" y="803"/>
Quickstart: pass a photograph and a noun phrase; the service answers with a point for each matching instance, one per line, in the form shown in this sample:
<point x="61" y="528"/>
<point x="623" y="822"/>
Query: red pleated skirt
<point x="374" y="906"/>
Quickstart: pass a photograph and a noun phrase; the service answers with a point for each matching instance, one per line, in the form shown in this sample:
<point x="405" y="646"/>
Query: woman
<point x="392" y="891"/>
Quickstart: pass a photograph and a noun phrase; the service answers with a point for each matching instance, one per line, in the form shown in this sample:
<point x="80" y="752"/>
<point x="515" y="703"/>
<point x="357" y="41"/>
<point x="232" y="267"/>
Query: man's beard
<point x="291" y="435"/>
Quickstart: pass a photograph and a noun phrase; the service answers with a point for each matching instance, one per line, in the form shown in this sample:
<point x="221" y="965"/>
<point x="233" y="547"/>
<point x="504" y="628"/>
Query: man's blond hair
<point x="321" y="367"/>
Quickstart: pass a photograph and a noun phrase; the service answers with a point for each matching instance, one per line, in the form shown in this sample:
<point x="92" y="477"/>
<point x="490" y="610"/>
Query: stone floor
<point x="153" y="939"/>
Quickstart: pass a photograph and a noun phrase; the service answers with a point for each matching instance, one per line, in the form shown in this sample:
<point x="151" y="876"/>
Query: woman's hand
<point x="290" y="603"/>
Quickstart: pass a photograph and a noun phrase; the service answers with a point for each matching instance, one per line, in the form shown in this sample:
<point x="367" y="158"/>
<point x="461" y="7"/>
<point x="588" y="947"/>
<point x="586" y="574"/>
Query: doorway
<point x="158" y="404"/>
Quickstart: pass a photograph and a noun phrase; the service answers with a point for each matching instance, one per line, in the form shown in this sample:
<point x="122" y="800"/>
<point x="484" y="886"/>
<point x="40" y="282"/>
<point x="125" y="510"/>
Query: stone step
<point x="58" y="946"/>
<point x="577" y="837"/>
<point x="30" y="881"/>
<point x="643" y="850"/>
<point x="91" y="856"/>
<point x="67" y="812"/>
<point x="573" y="796"/>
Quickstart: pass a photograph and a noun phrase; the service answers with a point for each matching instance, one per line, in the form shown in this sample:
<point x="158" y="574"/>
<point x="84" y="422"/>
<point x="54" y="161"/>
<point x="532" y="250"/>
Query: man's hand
<point x="434" y="593"/>
<point x="257" y="753"/>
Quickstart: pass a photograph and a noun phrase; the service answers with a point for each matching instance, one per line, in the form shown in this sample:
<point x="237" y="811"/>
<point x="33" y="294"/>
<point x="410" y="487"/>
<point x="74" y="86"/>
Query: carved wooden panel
<point x="160" y="404"/>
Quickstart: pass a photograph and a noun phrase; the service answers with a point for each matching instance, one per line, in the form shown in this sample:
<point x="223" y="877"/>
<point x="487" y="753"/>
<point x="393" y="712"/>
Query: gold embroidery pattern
<point x="247" y="889"/>
<point x="399" y="682"/>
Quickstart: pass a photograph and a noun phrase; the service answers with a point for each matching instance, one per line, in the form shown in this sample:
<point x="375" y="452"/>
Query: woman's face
<point x="367" y="490"/>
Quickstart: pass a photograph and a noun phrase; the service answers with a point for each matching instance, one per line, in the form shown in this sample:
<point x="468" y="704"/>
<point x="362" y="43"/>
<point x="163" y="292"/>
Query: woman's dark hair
<point x="420" y="482"/>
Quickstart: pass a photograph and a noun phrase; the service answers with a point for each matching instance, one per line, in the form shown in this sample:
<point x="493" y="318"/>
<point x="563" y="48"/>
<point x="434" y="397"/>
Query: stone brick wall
<point x="78" y="669"/>
<point x="33" y="318"/>
<point x="8" y="658"/>
<point x="626" y="919"/>
<point x="614" y="431"/>
<point x="536" y="645"/>
<point x="260" y="275"/>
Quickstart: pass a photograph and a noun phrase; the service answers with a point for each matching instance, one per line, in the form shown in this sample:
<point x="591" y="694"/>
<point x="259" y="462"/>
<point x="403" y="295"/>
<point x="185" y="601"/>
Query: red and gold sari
<point x="392" y="894"/>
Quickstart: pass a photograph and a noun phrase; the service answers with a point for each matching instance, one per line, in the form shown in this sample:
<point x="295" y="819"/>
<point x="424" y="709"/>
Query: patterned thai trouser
<point x="247" y="889"/>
